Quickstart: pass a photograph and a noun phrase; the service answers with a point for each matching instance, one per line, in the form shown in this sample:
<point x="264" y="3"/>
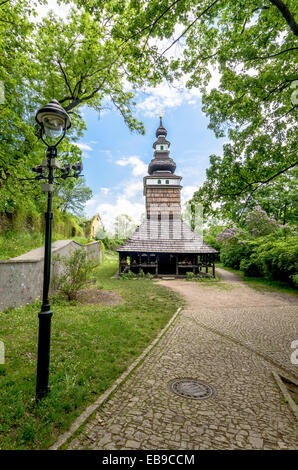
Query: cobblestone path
<point x="213" y="340"/>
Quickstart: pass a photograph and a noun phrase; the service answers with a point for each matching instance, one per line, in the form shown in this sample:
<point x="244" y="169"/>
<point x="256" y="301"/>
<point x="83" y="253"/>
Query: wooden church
<point x="165" y="244"/>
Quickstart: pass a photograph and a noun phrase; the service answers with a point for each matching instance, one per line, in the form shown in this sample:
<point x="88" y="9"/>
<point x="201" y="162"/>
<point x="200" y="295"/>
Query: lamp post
<point x="54" y="123"/>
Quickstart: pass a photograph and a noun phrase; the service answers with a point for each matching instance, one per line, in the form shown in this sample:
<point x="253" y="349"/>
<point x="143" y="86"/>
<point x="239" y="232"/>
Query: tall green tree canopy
<point x="73" y="195"/>
<point x="78" y="61"/>
<point x="252" y="44"/>
<point x="107" y="49"/>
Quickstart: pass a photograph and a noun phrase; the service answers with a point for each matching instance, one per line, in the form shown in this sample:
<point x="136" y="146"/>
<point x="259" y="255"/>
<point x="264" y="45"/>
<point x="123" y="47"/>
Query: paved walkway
<point x="213" y="339"/>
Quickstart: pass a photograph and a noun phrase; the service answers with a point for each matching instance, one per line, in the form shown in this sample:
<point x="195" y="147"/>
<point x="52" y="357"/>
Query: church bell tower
<point x="162" y="187"/>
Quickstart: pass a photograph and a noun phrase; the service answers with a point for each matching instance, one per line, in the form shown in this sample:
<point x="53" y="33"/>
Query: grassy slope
<point x="91" y="346"/>
<point x="16" y="243"/>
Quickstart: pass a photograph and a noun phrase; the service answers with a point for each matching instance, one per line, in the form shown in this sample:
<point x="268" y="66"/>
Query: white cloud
<point x="108" y="212"/>
<point x="187" y="193"/>
<point x="215" y="78"/>
<point x="138" y="166"/>
<point x="91" y="202"/>
<point x="126" y="198"/>
<point x="83" y="146"/>
<point x="105" y="191"/>
<point x="62" y="10"/>
<point x="108" y="153"/>
<point x="132" y="188"/>
<point x="166" y="96"/>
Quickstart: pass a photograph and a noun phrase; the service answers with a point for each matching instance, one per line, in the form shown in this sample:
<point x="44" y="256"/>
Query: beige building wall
<point x="96" y="224"/>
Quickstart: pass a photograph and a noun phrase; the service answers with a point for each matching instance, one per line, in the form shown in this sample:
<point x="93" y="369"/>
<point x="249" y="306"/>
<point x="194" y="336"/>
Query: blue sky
<point x="115" y="160"/>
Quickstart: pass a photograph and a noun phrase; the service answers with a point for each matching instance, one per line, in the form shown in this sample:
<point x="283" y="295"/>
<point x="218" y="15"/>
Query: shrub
<point x="128" y="275"/>
<point x="73" y="272"/>
<point x="259" y="224"/>
<point x="294" y="280"/>
<point x="110" y="244"/>
<point x="210" y="236"/>
<point x="278" y="258"/>
<point x="266" y="249"/>
<point x="140" y="275"/>
<point x="189" y="276"/>
<point x="234" y="247"/>
<point x="250" y="267"/>
<point x="232" y="253"/>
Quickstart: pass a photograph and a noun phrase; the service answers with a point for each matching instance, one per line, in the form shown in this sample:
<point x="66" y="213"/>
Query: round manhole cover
<point x="192" y="388"/>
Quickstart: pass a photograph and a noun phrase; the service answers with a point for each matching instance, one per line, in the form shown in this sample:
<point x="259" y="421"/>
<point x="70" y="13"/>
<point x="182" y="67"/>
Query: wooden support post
<point x="213" y="265"/>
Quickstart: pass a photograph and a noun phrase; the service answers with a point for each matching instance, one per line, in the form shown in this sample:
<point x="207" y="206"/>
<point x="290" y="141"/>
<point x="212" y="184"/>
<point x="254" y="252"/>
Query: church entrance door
<point x="166" y="264"/>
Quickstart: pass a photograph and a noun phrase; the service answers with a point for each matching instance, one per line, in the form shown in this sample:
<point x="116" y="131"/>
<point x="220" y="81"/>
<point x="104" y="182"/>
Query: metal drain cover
<point x="192" y="388"/>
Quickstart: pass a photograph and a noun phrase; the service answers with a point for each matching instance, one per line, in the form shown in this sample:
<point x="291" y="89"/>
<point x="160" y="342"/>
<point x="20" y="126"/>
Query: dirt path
<point x="228" y="276"/>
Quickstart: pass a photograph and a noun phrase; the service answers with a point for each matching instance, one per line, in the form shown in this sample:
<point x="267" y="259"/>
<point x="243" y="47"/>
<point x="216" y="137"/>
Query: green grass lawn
<point x="91" y="346"/>
<point x="261" y="283"/>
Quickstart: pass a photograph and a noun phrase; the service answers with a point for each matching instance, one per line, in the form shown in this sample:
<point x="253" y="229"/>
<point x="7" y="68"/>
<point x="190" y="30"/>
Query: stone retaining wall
<point x="21" y="278"/>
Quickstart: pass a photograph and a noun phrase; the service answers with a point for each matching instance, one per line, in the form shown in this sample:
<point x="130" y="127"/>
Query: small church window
<point x="159" y="181"/>
<point x="167" y="181"/>
<point x="161" y="147"/>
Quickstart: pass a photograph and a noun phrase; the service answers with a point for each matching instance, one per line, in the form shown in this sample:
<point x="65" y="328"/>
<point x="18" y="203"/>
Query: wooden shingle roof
<point x="164" y="236"/>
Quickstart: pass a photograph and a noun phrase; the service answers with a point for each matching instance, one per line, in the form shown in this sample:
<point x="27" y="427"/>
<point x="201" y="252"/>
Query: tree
<point x="255" y="50"/>
<point x="17" y="135"/>
<point x="277" y="198"/>
<point x="77" y="61"/>
<point x="73" y="195"/>
<point x="107" y="49"/>
<point x="72" y="272"/>
<point x="21" y="78"/>
<point x="253" y="44"/>
<point x="123" y="226"/>
<point x="258" y="223"/>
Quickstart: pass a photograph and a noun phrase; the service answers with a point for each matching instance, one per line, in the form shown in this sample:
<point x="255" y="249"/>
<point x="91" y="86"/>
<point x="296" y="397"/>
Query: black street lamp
<point x="54" y="123"/>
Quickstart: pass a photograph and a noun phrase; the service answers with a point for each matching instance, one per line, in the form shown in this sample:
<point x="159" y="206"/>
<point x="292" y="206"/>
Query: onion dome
<point x="161" y="130"/>
<point x="157" y="165"/>
<point x="161" y="161"/>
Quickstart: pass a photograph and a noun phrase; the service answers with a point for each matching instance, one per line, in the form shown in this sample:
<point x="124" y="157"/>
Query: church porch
<point x="174" y="264"/>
